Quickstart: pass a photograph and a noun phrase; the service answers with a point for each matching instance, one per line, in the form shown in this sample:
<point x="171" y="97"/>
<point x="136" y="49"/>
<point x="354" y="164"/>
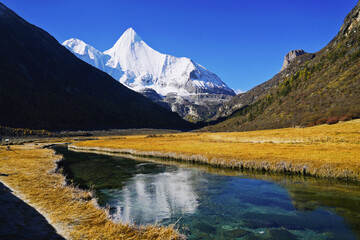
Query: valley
<point x="133" y="143"/>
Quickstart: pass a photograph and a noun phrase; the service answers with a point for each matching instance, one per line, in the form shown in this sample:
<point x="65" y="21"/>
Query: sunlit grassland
<point x="325" y="150"/>
<point x="72" y="211"/>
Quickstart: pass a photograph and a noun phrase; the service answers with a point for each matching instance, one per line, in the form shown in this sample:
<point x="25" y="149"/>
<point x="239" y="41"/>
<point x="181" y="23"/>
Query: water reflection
<point x="149" y="198"/>
<point x="218" y="203"/>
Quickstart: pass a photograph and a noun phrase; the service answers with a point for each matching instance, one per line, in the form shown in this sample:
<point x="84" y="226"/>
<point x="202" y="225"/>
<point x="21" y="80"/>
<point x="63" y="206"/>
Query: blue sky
<point x="242" y="41"/>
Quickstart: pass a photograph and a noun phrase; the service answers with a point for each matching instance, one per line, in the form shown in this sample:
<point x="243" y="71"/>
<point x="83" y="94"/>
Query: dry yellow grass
<point x="72" y="211"/>
<point x="326" y="150"/>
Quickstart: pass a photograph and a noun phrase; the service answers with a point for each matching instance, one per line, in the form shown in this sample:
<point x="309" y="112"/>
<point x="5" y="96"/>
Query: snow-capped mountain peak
<point x="125" y="42"/>
<point x="139" y="67"/>
<point x="80" y="47"/>
<point x="87" y="53"/>
<point x="132" y="54"/>
<point x="128" y="37"/>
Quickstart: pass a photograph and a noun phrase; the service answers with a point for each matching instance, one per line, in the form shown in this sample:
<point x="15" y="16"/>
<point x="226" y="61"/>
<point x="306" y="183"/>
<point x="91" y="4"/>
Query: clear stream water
<point x="212" y="203"/>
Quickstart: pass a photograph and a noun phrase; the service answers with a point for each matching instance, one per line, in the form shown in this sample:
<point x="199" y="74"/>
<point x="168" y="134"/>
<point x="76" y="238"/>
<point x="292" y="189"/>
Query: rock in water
<point x="237" y="233"/>
<point x="204" y="227"/>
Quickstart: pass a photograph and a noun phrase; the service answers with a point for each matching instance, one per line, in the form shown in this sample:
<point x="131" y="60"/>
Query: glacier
<point x="178" y="83"/>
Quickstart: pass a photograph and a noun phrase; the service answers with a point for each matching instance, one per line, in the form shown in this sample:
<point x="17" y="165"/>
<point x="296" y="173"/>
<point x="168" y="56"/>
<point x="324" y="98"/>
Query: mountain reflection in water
<point x="144" y="196"/>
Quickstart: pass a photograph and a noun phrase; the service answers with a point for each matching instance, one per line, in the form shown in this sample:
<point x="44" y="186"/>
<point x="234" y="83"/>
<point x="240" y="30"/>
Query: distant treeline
<point x="7" y="131"/>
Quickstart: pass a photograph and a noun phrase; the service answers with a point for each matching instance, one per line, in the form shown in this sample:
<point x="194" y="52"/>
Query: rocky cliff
<point x="291" y="56"/>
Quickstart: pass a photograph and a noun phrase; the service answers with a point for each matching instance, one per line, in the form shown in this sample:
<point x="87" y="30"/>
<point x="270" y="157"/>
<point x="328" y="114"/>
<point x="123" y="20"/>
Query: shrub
<point x="310" y="124"/>
<point x="321" y="121"/>
<point x="153" y="136"/>
<point x="347" y="117"/>
<point x="332" y="120"/>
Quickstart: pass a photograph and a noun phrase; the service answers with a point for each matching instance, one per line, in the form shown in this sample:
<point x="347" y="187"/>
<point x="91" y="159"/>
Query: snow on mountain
<point x="139" y="67"/>
<point x="92" y="56"/>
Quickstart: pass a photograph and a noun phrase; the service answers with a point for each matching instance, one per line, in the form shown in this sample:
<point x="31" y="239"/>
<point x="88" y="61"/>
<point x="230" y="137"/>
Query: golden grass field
<point x="73" y="212"/>
<point x="324" y="150"/>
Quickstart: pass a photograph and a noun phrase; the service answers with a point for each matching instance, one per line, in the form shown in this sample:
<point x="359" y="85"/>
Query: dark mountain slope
<point x="43" y="85"/>
<point x="314" y="87"/>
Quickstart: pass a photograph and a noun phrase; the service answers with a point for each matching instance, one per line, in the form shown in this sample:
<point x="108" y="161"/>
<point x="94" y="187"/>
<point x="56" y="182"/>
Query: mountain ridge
<point x="44" y="86"/>
<point x="314" y="88"/>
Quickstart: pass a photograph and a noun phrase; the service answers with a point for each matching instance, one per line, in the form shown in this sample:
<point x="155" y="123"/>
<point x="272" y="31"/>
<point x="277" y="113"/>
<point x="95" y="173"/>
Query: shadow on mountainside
<point x="20" y="221"/>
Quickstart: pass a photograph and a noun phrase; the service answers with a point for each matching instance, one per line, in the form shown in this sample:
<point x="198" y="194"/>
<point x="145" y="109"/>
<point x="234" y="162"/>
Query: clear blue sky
<point x="242" y="41"/>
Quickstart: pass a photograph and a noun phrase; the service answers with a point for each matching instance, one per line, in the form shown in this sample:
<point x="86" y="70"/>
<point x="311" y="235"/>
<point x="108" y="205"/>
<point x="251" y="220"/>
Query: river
<point x="211" y="203"/>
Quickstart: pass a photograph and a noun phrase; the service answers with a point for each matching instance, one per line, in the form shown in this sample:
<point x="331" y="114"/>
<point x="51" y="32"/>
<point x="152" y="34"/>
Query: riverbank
<point x="30" y="172"/>
<point x="20" y="221"/>
<point x="324" y="151"/>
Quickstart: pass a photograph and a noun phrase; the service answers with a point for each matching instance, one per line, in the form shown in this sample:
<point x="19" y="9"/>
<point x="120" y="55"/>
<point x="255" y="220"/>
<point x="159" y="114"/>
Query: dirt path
<point x="20" y="221"/>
